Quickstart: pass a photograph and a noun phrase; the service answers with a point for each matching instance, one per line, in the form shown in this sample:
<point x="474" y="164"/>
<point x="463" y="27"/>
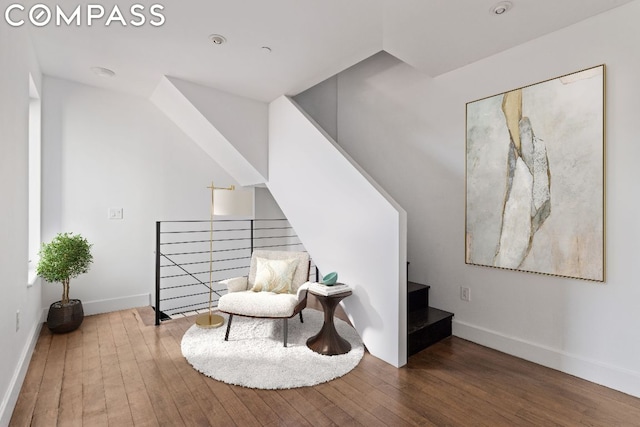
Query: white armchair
<point x="276" y="288"/>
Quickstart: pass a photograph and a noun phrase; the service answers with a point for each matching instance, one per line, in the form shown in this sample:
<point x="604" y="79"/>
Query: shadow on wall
<point x="359" y="302"/>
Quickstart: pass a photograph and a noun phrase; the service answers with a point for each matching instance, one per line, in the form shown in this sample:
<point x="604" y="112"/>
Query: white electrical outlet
<point x="465" y="294"/>
<point x="17" y="320"/>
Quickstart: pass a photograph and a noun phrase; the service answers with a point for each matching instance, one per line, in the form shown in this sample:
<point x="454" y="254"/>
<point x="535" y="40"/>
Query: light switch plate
<point x="115" y="213"/>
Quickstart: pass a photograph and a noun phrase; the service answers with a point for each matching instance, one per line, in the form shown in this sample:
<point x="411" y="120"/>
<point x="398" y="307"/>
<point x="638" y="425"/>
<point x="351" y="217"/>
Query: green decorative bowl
<point x="330" y="279"/>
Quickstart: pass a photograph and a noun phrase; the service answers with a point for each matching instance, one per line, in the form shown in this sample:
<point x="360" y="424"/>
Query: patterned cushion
<point x="299" y="277"/>
<point x="274" y="275"/>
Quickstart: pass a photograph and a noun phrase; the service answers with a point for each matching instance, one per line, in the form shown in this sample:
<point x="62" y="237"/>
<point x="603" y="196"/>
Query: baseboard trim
<point x="11" y="398"/>
<point x="621" y="379"/>
<point x="115" y="304"/>
<point x="109" y="305"/>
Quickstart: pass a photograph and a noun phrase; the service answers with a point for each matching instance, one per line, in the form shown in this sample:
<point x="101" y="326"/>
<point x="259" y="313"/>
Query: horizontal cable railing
<point x="183" y="250"/>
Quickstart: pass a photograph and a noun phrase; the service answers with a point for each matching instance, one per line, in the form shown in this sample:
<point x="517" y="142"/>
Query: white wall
<point x="244" y="122"/>
<point x="104" y="149"/>
<point x="266" y="206"/>
<point x="321" y="102"/>
<point x="354" y="228"/>
<point x="199" y="111"/>
<point x="16" y="62"/>
<point x="408" y="131"/>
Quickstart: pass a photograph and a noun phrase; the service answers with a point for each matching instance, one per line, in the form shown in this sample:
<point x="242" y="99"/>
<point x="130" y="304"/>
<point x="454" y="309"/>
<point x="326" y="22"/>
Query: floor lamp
<point x="225" y="202"/>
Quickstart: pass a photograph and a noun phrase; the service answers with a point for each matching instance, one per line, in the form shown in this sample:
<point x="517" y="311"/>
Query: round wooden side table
<point x="328" y="341"/>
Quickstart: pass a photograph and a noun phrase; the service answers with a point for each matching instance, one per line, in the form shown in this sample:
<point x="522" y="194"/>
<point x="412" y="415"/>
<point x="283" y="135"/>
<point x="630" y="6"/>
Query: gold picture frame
<point x="535" y="178"/>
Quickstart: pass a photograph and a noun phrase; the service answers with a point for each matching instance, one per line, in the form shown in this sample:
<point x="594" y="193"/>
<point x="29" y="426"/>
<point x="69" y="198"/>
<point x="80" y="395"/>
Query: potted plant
<point x="67" y="256"/>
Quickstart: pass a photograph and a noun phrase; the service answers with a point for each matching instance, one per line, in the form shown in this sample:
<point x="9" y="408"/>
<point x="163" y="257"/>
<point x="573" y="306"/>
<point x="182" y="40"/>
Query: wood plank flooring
<point x="120" y="370"/>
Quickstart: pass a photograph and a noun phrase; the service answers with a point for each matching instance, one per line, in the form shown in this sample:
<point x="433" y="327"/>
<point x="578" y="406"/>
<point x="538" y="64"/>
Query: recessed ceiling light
<point x="103" y="72"/>
<point x="501" y="8"/>
<point x="217" y="39"/>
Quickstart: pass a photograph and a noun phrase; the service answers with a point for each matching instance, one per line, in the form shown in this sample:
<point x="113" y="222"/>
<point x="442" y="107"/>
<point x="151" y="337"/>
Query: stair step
<point x="426" y="327"/>
<point x="417" y="296"/>
<point x="415" y="287"/>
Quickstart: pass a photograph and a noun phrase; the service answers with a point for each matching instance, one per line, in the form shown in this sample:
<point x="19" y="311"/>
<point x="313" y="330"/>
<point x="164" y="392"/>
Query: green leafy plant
<point x="67" y="256"/>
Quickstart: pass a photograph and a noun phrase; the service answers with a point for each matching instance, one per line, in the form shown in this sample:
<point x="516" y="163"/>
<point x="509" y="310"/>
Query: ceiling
<point x="310" y="40"/>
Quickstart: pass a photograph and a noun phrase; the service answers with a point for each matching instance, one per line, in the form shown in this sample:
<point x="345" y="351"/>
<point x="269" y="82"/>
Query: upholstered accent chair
<point x="276" y="288"/>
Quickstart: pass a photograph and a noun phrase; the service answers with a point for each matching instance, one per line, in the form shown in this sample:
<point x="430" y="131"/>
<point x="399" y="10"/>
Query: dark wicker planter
<point x="65" y="318"/>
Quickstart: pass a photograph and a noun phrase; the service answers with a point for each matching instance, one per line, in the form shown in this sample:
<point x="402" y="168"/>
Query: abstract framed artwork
<point x="535" y="178"/>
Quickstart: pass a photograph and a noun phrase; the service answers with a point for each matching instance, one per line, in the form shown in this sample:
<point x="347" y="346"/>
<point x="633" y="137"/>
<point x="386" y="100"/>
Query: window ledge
<point x="32" y="276"/>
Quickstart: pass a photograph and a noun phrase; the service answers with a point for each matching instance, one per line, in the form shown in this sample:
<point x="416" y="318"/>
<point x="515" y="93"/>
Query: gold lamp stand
<point x="210" y="320"/>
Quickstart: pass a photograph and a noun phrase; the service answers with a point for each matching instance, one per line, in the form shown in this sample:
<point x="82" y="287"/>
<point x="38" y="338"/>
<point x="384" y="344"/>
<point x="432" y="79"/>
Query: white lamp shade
<point x="237" y="202"/>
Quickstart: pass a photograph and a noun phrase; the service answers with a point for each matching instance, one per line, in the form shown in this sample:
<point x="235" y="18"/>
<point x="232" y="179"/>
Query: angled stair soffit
<point x="218" y="123"/>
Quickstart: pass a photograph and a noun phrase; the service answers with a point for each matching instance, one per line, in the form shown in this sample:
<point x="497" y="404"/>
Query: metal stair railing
<point x="182" y="259"/>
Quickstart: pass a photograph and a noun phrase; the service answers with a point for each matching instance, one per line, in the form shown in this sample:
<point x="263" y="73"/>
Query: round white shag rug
<point x="255" y="357"/>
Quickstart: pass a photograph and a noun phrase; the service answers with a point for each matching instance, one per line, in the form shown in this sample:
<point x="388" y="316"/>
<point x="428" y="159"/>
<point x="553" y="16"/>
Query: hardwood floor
<point x="119" y="370"/>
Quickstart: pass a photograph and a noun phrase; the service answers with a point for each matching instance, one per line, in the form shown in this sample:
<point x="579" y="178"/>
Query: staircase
<point x="292" y="146"/>
<point x="425" y="325"/>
